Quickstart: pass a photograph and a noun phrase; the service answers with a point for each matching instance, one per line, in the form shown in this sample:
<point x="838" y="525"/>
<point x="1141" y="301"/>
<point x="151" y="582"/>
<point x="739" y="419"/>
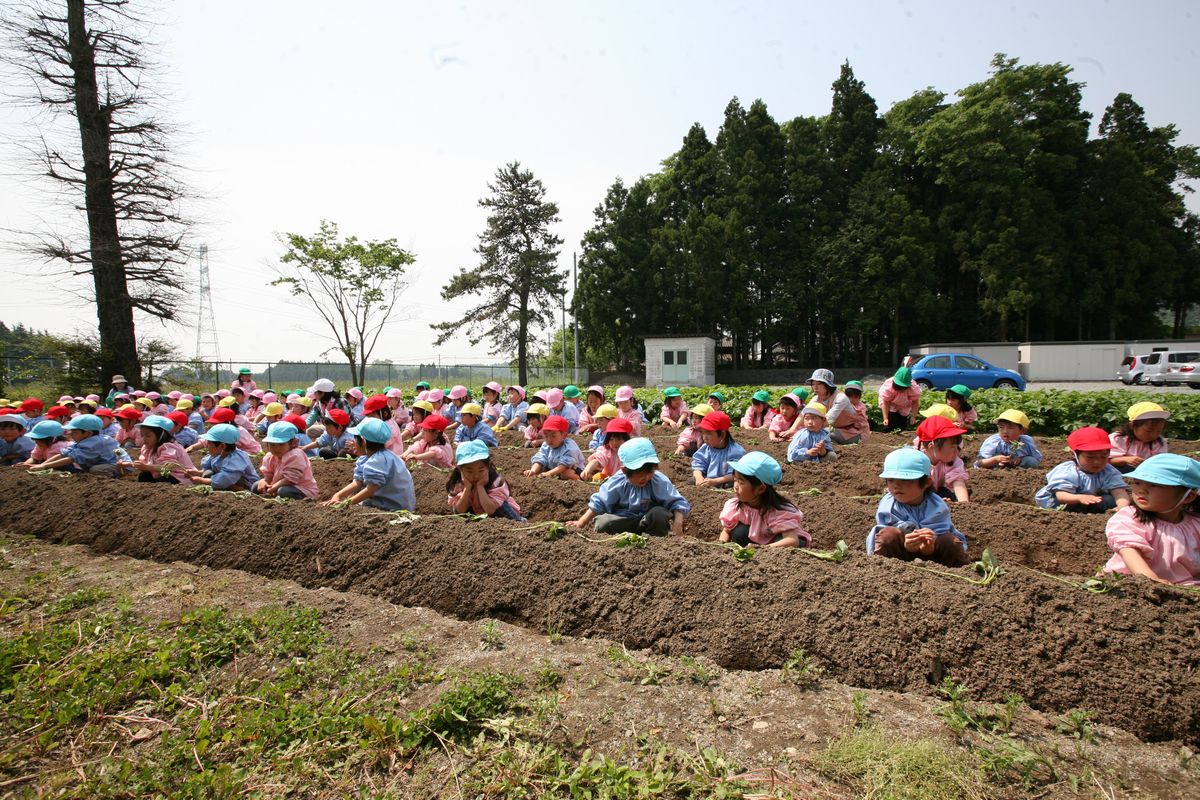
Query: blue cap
<point x="1168" y="469"/>
<point x="13" y="419"/>
<point x="84" y="422"/>
<point x="160" y="422"/>
<point x="906" y="464"/>
<point x="223" y="433"/>
<point x="46" y="429"/>
<point x="280" y="433"/>
<point x="373" y="430"/>
<point x="468" y="452"/>
<point x="637" y="453"/>
<point x="760" y="466"/>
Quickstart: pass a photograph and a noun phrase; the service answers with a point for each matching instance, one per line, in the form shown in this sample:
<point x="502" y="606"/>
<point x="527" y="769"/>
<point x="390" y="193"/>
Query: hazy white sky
<point x="389" y="118"/>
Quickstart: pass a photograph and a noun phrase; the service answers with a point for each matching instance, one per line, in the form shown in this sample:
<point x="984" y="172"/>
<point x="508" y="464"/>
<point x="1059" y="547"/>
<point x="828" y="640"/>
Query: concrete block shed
<point x="681" y="360"/>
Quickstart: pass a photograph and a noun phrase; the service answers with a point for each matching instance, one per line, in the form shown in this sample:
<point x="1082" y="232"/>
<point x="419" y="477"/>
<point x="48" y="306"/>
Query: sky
<point x="390" y="119"/>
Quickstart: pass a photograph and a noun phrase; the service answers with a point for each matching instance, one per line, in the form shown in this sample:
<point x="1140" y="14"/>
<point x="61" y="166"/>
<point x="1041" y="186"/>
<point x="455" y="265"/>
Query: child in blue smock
<point x="512" y="413"/>
<point x="15" y="446"/>
<point x="812" y="442"/>
<point x="472" y="428"/>
<point x="1011" y="447"/>
<point x="712" y="465"/>
<point x="912" y="521"/>
<point x="225" y="466"/>
<point x="381" y="480"/>
<point x="91" y="451"/>
<point x="1088" y="483"/>
<point x="639" y="498"/>
<point x="559" y="456"/>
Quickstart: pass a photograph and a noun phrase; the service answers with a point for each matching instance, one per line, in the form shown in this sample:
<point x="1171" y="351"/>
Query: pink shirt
<point x="944" y="476"/>
<point x="750" y="420"/>
<point x="609" y="463"/>
<point x="1172" y="550"/>
<point x="779" y="424"/>
<point x="587" y="422"/>
<point x="132" y="436"/>
<point x="764" y="527"/>
<point x="900" y="400"/>
<point x="690" y="436"/>
<point x="635" y="418"/>
<point x="1121" y="446"/>
<point x="675" y="414"/>
<point x="858" y="425"/>
<point x="246" y="386"/>
<point x="247" y="442"/>
<point x="244" y="423"/>
<point x="491" y="413"/>
<point x="443" y="459"/>
<point x="44" y="452"/>
<point x="400" y="414"/>
<point x="533" y="435"/>
<point x="169" y="451"/>
<point x="499" y="494"/>
<point x="968" y="417"/>
<point x="294" y="467"/>
<point x="395" y="443"/>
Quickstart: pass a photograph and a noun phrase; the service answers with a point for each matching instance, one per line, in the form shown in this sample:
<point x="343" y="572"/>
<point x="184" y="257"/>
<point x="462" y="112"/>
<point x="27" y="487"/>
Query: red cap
<point x="716" y="421"/>
<point x="32" y="404"/>
<point x="104" y="412"/>
<point x="128" y="413"/>
<point x="374" y="403"/>
<point x="934" y="428"/>
<point x="434" y="422"/>
<point x="339" y="416"/>
<point x="222" y="415"/>
<point x="179" y="418"/>
<point x="1089" y="439"/>
<point x="58" y="411"/>
<point x="557" y="423"/>
<point x="619" y="425"/>
<point x="297" y="420"/>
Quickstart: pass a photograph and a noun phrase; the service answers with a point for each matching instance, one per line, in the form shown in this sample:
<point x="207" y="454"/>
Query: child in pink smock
<point x="286" y="468"/>
<point x="604" y="462"/>
<point x="757" y="514"/>
<point x="940" y="440"/>
<point x="899" y="400"/>
<point x="1140" y="437"/>
<point x="431" y="446"/>
<point x="475" y="487"/>
<point x="626" y="409"/>
<point x="161" y="452"/>
<point x="1158" y="537"/>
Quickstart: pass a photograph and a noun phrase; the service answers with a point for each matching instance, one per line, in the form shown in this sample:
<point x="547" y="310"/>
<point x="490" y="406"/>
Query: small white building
<point x="681" y="360"/>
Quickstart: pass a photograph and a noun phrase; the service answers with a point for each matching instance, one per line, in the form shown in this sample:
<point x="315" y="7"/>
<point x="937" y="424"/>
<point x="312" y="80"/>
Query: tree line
<point x="842" y="239"/>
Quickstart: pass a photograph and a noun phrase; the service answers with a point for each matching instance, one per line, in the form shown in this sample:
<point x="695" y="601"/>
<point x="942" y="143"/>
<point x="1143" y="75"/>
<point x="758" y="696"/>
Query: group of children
<point x="1154" y="531"/>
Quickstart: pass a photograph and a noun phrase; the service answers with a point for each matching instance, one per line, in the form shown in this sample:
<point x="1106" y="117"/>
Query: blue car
<point x="943" y="370"/>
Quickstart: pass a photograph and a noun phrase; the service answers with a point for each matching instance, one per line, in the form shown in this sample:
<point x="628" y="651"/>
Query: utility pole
<point x="562" y="301"/>
<point x="575" y="314"/>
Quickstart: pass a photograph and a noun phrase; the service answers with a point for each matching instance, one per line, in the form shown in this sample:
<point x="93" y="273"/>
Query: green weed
<point x="875" y="765"/>
<point x="1077" y="723"/>
<point x="76" y="600"/>
<point x="490" y="637"/>
<point x="800" y="669"/>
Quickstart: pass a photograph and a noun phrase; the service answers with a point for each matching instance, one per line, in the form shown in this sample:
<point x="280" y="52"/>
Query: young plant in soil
<point x="628" y="539"/>
<point x="801" y="670"/>
<point x="837" y="555"/>
<point x="740" y="553"/>
<point x="1101" y="584"/>
<point x="988" y="567"/>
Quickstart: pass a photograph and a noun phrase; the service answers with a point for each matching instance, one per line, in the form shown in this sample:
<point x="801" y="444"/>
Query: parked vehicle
<point x="1160" y="363"/>
<point x="943" y="370"/>
<point x="1131" y="370"/>
<point x="1183" y="374"/>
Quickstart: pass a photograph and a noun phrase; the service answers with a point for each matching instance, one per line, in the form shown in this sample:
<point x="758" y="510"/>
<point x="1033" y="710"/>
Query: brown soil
<point x="871" y="622"/>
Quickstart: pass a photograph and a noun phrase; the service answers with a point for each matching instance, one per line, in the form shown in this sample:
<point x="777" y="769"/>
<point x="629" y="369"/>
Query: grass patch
<point x="877" y="766"/>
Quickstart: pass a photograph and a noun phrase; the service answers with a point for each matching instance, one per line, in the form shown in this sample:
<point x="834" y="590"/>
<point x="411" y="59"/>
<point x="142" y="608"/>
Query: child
<point x="512" y="414"/>
<point x="129" y="435"/>
<point x="1158" y="537"/>
<point x="60" y="414"/>
<point x="1140" y="437"/>
<point x="32" y="409"/>
<point x="195" y="421"/>
<point x="535" y="417"/>
<point x="757" y="514"/>
<point x="712" y="463"/>
<point x="899" y="400"/>
<point x="957" y="397"/>
<point x="420" y="410"/>
<point x="458" y="396"/>
<point x="354" y="398"/>
<point x="431" y="447"/>
<point x="559" y="407"/>
<point x="475" y="487"/>
<point x="587" y="414"/>
<point x="48" y="442"/>
<point x="336" y="441"/>
<point x="286" y="470"/>
<point x="302" y="437"/>
<point x="472" y="428"/>
<point x="161" y="452"/>
<point x="491" y="404"/>
<point x="381" y="480"/>
<point x="184" y="435"/>
<point x="559" y="456"/>
<point x="395" y="399"/>
<point x="90" y="450"/>
<point x="911" y="520"/>
<point x="271" y="413"/>
<point x="637" y="499"/>
<point x="572" y="394"/>
<point x="812" y="442"/>
<point x="717" y="401"/>
<point x="674" y="412"/>
<point x="1011" y="447"/>
<point x="437" y="399"/>
<point x="860" y="425"/>
<point x="246" y="440"/>
<point x="605" y="462"/>
<point x="787" y="418"/>
<point x="111" y="428"/>
<point x="376" y="407"/>
<point x="244" y="380"/>
<point x="603" y="417"/>
<point x="226" y="466"/>
<point x="759" y="414"/>
<point x="626" y="409"/>
<point x="691" y="438"/>
<point x="940" y="440"/>
<point x="1088" y="484"/>
<point x="299" y="404"/>
<point x="15" y="446"/>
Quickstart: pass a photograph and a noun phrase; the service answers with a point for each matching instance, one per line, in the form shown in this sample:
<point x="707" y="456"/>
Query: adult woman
<point x="839" y="412"/>
<point x="325" y="398"/>
<point x="244" y="381"/>
<point x="119" y="386"/>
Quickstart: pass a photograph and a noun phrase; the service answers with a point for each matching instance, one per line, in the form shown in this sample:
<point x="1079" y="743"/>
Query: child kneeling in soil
<point x="162" y="459"/>
<point x="475" y="487"/>
<point x="812" y="442"/>
<point x="1158" y="537"/>
<point x="1140" y="437"/>
<point x="912" y="521"/>
<point x="559" y="456"/>
<point x="48" y="442"/>
<point x="1088" y="484"/>
<point x="432" y="447"/>
<point x="226" y="466"/>
<point x="757" y="514"/>
<point x="604" y="463"/>
<point x="91" y="450"/>
<point x="472" y="428"/>
<point x="691" y="437"/>
<point x="712" y="464"/>
<point x="639" y="498"/>
<point x="15" y="446"/>
<point x="286" y="470"/>
<point x="380" y="478"/>
<point x="940" y="440"/>
<point x="1011" y="447"/>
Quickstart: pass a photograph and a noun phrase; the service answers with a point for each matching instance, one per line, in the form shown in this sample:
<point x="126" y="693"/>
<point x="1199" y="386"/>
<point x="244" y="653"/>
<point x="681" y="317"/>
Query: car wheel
<point x="1139" y="379"/>
<point x="1005" y="383"/>
<point x="925" y="385"/>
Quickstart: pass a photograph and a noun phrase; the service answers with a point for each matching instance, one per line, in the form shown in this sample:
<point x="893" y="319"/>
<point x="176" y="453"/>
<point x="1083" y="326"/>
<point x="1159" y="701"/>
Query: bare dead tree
<point x="86" y="60"/>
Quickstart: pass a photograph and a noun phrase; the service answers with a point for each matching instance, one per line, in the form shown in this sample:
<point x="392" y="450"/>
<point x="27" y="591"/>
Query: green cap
<point x="571" y="390"/>
<point x="244" y="371"/>
<point x="422" y="385"/>
<point x="960" y="390"/>
<point x="802" y="392"/>
<point x="720" y="397"/>
<point x="903" y="378"/>
<point x="762" y="396"/>
<point x="673" y="391"/>
<point x="855" y="385"/>
<point x="387" y="389"/>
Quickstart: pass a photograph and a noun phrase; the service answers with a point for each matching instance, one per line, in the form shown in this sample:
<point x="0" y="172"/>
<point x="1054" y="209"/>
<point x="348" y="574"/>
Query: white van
<point x="1157" y="365"/>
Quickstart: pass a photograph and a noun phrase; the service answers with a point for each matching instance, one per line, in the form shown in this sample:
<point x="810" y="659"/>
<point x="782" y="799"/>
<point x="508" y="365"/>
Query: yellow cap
<point x="1147" y="411"/>
<point x="226" y="402"/>
<point x="424" y="405"/>
<point x="302" y="400"/>
<point x="539" y="409"/>
<point x="606" y="411"/>
<point x="815" y="408"/>
<point x="1014" y="416"/>
<point x="122" y="408"/>
<point x="145" y="401"/>
<point x="702" y="409"/>
<point x="471" y="408"/>
<point x="184" y="404"/>
<point x="273" y="410"/>
<point x="942" y="410"/>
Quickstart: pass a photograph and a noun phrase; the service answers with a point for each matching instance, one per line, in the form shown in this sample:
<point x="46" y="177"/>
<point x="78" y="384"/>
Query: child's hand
<point x="920" y="541"/>
<point x="574" y="524"/>
<point x="1089" y="500"/>
<point x="261" y="486"/>
<point x="812" y="451"/>
<point x="529" y="473"/>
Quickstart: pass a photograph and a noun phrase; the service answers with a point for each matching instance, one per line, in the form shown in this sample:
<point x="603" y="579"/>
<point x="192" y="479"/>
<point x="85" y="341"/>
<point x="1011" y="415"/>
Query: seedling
<point x="202" y="488"/>
<point x="812" y="491"/>
<point x="1100" y="584"/>
<point x="554" y="530"/>
<point x="739" y="553"/>
<point x="629" y="539"/>
<point x="1077" y="723"/>
<point x="403" y="517"/>
<point x="987" y="566"/>
<point x="801" y="670"/>
<point x="961" y="716"/>
<point x="837" y="555"/>
<point x="52" y="472"/>
<point x="340" y="505"/>
<point x="490" y="637"/>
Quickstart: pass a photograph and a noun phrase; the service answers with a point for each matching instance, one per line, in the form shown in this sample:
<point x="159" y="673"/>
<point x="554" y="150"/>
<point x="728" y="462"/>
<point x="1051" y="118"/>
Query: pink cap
<point x="66" y="398"/>
<point x="293" y="397"/>
<point x="270" y="397"/>
<point x="598" y="390"/>
<point x="395" y="393"/>
<point x="423" y="394"/>
<point x="139" y="393"/>
<point x="495" y="387"/>
<point x="624" y="393"/>
<point x="356" y="393"/>
<point x="258" y="393"/>
<point x="95" y="398"/>
<point x="458" y="392"/>
<point x="436" y="396"/>
<point x="174" y="395"/>
<point x="520" y="390"/>
<point x="224" y="393"/>
<point x="154" y="395"/>
<point x="554" y="397"/>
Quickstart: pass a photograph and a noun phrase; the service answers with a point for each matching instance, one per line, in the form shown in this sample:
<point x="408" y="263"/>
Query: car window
<point x="1152" y="358"/>
<point x="938" y="362"/>
<point x="966" y="362"/>
<point x="1128" y="361"/>
<point x="1180" y="358"/>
